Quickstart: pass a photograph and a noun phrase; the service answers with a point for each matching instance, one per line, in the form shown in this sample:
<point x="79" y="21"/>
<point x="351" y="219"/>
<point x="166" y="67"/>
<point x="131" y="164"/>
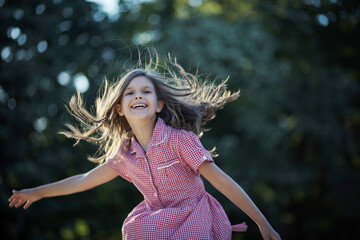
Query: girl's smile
<point x="139" y="106"/>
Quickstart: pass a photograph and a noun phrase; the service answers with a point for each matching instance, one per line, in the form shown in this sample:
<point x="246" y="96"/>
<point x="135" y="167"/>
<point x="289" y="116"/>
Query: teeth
<point x="139" y="105"/>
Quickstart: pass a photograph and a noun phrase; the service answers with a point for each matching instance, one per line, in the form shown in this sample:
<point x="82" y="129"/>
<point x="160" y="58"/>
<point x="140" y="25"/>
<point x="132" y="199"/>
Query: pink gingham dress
<point x="176" y="205"/>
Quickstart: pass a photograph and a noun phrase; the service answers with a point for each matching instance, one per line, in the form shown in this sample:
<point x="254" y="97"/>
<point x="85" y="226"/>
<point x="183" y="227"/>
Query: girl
<point x="147" y="125"/>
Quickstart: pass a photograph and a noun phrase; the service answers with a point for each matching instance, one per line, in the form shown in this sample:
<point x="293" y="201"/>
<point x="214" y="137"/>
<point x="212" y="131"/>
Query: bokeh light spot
<point x="31" y="90"/>
<point x="6" y="54"/>
<point x="108" y="54"/>
<point x="46" y="84"/>
<point x="12" y="103"/>
<point x="81" y="227"/>
<point x="195" y="3"/>
<point x="81" y="82"/>
<point x="20" y="55"/>
<point x="68" y="12"/>
<point x="3" y="95"/>
<point x="98" y="16"/>
<point x="40" y="9"/>
<point x="22" y="39"/>
<point x="110" y="7"/>
<point x="63" y="39"/>
<point x="145" y="37"/>
<point x="81" y="39"/>
<point x="322" y="20"/>
<point x="64" y="78"/>
<point x="42" y="46"/>
<point x="14" y="32"/>
<point x="29" y="54"/>
<point x="64" y="26"/>
<point x="40" y="124"/>
<point x="52" y="109"/>
<point x="18" y="14"/>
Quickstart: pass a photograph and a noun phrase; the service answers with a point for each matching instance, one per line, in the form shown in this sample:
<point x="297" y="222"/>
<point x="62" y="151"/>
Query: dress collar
<point x="159" y="136"/>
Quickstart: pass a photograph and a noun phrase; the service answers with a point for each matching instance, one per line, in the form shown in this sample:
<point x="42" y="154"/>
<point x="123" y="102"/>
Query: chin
<point x="142" y="117"/>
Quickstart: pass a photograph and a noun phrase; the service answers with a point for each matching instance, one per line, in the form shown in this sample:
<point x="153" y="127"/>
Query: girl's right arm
<point x="74" y="184"/>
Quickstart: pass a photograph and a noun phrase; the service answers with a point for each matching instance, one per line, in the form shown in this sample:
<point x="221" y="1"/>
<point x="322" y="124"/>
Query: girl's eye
<point x="147" y="91"/>
<point x="128" y="93"/>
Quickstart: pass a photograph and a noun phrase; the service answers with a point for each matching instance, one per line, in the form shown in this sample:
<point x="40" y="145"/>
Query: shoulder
<point x="123" y="149"/>
<point x="180" y="135"/>
<point x="170" y="133"/>
<point x="175" y="139"/>
<point x="188" y="136"/>
<point x="182" y="140"/>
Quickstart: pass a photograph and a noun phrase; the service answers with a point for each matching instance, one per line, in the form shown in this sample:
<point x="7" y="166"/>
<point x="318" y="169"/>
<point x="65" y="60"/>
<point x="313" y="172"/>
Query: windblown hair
<point x="187" y="105"/>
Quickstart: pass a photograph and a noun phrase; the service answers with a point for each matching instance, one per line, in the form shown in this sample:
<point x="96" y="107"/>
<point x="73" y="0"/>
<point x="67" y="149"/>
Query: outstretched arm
<point x="227" y="186"/>
<point x="74" y="184"/>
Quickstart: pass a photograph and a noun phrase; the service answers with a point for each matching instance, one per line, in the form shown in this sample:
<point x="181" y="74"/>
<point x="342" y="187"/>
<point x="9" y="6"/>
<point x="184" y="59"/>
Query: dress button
<point x="155" y="194"/>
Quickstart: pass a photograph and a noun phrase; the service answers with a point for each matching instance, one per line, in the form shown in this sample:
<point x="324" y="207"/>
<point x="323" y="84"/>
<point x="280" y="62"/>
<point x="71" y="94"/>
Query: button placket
<point x="148" y="166"/>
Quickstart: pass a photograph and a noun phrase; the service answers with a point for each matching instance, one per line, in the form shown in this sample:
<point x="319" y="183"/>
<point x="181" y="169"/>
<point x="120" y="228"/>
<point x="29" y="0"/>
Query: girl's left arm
<point x="227" y="186"/>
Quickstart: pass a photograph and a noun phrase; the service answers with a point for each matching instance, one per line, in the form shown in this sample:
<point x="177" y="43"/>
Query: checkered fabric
<point x="175" y="204"/>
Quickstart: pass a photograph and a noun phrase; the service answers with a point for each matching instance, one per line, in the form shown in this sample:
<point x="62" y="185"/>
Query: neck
<point x="143" y="131"/>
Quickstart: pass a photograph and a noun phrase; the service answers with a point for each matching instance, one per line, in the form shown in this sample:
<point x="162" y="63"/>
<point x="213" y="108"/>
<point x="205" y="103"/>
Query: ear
<point x="119" y="110"/>
<point x="160" y="106"/>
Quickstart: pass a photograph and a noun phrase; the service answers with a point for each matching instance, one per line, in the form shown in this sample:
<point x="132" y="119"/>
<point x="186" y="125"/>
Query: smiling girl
<point x="147" y="125"/>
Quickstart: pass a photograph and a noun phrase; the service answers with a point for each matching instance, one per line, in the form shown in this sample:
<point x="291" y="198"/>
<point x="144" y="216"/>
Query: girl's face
<point x="139" y="100"/>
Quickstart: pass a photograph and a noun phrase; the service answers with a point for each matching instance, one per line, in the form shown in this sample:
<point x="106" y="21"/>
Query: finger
<point x="27" y="204"/>
<point x="13" y="195"/>
<point x="12" y="203"/>
<point x="19" y="203"/>
<point x="11" y="198"/>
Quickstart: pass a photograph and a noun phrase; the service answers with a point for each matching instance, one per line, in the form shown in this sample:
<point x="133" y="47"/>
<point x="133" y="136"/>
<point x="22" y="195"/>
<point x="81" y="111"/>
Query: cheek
<point x="124" y="100"/>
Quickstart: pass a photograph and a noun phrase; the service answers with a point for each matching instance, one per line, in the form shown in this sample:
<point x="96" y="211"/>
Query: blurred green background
<point x="291" y="140"/>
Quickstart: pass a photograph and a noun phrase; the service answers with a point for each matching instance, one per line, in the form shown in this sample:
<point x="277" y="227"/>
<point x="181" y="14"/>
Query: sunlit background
<point x="110" y="7"/>
<point x="291" y="140"/>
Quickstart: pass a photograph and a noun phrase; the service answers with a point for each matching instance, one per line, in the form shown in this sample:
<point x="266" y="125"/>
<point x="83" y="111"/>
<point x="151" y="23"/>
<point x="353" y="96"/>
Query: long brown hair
<point x="187" y="105"/>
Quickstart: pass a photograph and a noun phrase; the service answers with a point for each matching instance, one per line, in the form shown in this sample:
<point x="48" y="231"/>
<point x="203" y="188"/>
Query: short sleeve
<point x="117" y="164"/>
<point x="191" y="150"/>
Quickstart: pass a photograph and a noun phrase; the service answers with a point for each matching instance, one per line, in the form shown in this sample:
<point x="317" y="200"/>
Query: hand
<point x="26" y="196"/>
<point x="268" y="233"/>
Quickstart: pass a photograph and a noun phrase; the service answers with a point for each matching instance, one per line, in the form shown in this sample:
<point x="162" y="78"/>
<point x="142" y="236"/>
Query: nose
<point x="138" y="96"/>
